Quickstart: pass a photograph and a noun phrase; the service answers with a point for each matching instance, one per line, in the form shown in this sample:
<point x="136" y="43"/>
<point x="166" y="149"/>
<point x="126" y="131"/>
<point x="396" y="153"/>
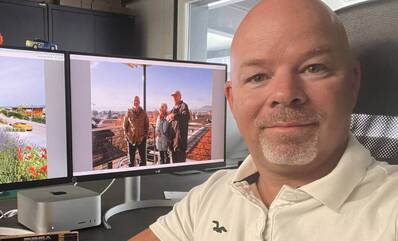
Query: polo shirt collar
<point x="333" y="189"/>
<point x="246" y="172"/>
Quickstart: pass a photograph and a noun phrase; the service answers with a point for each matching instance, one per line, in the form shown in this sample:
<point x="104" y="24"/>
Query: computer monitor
<point x="34" y="123"/>
<point x="111" y="137"/>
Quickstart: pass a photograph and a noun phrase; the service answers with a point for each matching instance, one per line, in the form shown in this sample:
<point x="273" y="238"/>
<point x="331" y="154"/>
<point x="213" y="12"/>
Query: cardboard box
<point x="70" y="3"/>
<point x="86" y="4"/>
<point x="101" y="6"/>
<point x="109" y="6"/>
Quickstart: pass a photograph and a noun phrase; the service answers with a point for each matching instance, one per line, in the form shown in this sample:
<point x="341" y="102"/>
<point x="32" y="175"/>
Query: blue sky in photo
<point x="113" y="85"/>
<point x="21" y="82"/>
<point x="195" y="85"/>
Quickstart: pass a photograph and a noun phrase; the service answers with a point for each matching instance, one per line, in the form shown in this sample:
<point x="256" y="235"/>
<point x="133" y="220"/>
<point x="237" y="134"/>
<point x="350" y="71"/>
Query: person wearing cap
<point x="180" y="117"/>
<point x="136" y="126"/>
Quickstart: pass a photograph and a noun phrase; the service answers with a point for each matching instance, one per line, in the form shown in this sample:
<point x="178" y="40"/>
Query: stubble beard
<point x="293" y="149"/>
<point x="287" y="150"/>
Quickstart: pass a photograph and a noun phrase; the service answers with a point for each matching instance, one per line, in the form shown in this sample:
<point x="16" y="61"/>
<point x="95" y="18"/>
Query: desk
<point x="127" y="224"/>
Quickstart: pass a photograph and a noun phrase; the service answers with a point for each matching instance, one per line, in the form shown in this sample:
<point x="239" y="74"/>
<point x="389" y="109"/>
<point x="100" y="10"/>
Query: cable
<point x="106" y="189"/>
<point x="8" y="214"/>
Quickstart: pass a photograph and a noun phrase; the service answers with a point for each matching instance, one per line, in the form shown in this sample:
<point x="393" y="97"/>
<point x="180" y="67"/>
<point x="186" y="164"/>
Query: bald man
<point x="294" y="84"/>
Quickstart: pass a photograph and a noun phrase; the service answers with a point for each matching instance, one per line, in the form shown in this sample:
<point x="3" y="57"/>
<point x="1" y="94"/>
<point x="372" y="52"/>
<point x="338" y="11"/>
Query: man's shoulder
<point x="390" y="172"/>
<point x="383" y="177"/>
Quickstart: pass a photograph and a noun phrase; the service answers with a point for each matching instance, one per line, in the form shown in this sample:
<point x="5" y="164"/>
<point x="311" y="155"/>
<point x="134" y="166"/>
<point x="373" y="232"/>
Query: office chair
<point x="372" y="29"/>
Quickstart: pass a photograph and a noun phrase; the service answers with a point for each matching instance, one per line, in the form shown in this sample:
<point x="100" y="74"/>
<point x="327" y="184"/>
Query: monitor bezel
<point x="59" y="180"/>
<point x="152" y="171"/>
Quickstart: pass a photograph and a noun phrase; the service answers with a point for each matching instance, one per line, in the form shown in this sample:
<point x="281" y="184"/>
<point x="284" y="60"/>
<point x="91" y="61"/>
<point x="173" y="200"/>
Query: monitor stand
<point x="132" y="200"/>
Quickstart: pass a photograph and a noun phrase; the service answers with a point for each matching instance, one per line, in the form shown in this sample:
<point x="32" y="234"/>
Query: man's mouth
<point x="290" y="126"/>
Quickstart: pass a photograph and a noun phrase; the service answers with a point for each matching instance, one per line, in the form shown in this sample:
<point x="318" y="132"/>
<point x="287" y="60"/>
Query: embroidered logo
<point x="217" y="228"/>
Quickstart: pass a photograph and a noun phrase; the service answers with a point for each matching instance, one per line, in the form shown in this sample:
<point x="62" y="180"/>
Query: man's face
<point x="292" y="91"/>
<point x="176" y="98"/>
<point x="136" y="102"/>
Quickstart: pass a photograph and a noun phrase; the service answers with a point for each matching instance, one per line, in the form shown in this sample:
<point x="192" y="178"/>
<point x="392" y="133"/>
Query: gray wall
<point x="154" y="27"/>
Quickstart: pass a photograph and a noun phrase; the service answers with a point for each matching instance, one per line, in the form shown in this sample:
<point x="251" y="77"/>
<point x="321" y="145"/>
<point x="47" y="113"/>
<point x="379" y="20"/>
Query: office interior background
<point x="197" y="30"/>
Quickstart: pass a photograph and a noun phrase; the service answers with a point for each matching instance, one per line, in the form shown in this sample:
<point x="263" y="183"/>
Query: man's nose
<point x="286" y="90"/>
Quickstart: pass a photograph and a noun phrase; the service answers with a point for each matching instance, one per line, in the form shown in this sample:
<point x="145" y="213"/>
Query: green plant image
<point x="20" y="162"/>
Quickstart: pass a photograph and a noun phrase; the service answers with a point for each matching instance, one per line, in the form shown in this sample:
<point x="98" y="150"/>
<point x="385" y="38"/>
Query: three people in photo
<point x="171" y="131"/>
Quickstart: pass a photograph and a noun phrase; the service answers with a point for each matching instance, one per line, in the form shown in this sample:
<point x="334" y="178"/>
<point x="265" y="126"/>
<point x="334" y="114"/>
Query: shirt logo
<point x="217" y="228"/>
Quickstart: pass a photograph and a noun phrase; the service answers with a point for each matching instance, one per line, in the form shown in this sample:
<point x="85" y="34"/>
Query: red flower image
<point x="19" y="154"/>
<point x="32" y="171"/>
<point x="44" y="169"/>
<point x="28" y="148"/>
<point x="29" y="156"/>
<point x="43" y="151"/>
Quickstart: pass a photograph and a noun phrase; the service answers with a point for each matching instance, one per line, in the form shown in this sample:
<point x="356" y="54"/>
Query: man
<point x="136" y="125"/>
<point x="179" y="117"/>
<point x="294" y="83"/>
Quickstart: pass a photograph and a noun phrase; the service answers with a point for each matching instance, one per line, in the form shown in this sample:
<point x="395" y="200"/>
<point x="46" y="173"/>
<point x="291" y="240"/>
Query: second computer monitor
<point x="33" y="119"/>
<point x="140" y="116"/>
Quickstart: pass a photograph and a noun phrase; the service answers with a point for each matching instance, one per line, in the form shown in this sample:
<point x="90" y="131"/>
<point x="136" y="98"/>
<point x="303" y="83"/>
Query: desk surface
<point x="127" y="224"/>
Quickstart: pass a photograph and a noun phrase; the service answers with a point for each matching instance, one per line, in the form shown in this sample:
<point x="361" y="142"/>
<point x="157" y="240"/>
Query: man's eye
<point x="316" y="69"/>
<point x="257" y="78"/>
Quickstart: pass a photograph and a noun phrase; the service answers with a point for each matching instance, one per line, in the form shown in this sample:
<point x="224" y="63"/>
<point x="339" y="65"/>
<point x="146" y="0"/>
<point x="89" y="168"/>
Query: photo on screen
<point x="134" y="114"/>
<point x="25" y="123"/>
<point x="113" y="89"/>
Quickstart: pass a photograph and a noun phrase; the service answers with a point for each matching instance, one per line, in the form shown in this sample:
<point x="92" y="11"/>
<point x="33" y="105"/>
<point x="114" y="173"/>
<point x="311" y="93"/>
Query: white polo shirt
<point x="357" y="201"/>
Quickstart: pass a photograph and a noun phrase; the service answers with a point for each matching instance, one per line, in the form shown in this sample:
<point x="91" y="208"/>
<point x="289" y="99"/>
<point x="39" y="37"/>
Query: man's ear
<point x="228" y="93"/>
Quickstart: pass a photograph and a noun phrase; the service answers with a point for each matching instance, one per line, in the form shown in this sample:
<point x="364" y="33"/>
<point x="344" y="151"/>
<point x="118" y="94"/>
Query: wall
<point x="154" y="21"/>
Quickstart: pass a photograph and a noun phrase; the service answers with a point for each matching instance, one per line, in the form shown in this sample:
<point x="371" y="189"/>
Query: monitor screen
<point x="33" y="119"/>
<point x="141" y="116"/>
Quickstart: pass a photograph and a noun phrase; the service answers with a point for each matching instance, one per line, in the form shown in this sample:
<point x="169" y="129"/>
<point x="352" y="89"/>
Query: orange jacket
<point x="1" y="39"/>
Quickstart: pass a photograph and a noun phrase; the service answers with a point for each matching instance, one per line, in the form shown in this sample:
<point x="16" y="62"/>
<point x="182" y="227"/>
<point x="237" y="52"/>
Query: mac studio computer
<point x="103" y="90"/>
<point x="34" y="139"/>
